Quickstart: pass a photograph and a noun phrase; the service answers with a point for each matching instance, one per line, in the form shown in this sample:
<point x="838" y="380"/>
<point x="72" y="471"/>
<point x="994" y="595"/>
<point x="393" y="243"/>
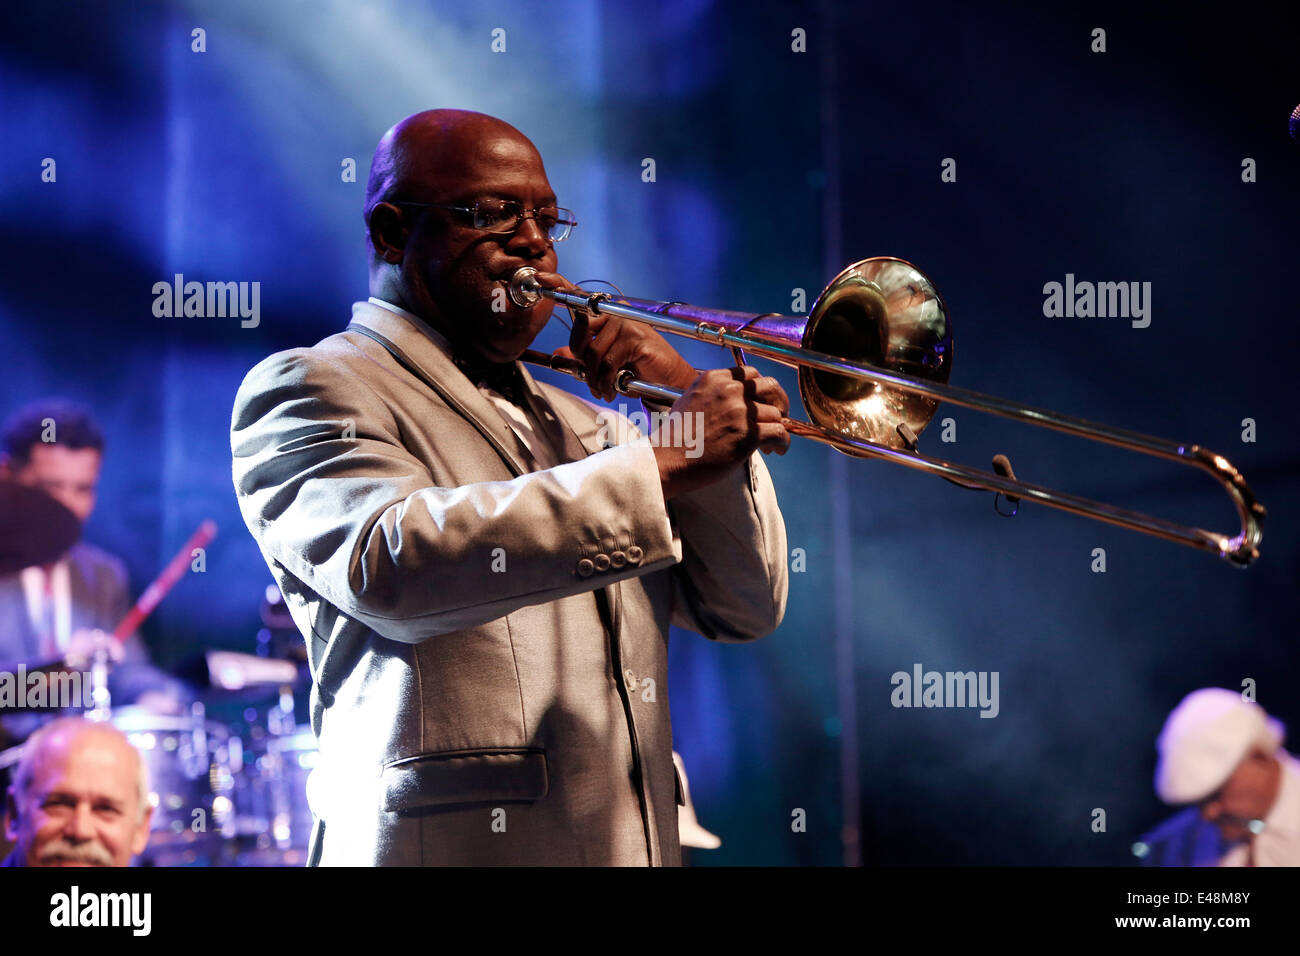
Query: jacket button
<point x="629" y="680"/>
<point x="634" y="555"/>
<point x="585" y="567"/>
<point x="602" y="562"/>
<point x="617" y="559"/>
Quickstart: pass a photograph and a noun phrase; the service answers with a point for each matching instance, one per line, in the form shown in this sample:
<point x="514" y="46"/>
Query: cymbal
<point x="34" y="528"/>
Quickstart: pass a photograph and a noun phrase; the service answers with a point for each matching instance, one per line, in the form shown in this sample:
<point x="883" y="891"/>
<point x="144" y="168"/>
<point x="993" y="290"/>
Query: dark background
<point x="774" y="169"/>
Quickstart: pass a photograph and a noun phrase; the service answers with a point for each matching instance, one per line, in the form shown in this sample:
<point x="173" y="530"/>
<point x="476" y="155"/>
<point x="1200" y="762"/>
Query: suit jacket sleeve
<point x="732" y="583"/>
<point x="330" y="493"/>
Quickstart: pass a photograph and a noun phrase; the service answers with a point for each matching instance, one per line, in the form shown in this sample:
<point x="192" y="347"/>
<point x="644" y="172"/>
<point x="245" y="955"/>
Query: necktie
<point x="503" y="379"/>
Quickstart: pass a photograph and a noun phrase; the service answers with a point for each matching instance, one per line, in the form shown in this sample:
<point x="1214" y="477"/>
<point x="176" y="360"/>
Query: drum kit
<point x="224" y="793"/>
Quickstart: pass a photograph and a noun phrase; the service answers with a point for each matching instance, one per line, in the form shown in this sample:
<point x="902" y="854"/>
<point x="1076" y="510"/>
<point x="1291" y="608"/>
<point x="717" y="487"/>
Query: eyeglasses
<point x="503" y="216"/>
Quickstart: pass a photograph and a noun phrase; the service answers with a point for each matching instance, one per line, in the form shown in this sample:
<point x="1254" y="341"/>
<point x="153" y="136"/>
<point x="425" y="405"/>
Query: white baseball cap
<point x="1205" y="738"/>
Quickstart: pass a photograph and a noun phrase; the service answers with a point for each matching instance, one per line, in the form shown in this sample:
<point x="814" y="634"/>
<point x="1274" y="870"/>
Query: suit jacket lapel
<point x="410" y="347"/>
<point x="85" y="610"/>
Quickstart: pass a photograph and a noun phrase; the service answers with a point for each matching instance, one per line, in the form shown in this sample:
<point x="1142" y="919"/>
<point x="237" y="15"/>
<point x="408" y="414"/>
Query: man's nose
<point x="81" y="823"/>
<point x="528" y="237"/>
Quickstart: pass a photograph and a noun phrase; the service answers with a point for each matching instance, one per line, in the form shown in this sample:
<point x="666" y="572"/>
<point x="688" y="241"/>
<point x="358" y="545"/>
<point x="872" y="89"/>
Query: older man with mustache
<point x="80" y="797"/>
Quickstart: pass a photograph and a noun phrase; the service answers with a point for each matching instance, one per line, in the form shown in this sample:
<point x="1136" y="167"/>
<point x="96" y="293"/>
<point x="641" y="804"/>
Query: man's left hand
<point x="607" y="344"/>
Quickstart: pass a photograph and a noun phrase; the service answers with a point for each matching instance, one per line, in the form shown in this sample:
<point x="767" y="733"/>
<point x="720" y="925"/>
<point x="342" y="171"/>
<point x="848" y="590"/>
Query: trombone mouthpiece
<point x="523" y="287"/>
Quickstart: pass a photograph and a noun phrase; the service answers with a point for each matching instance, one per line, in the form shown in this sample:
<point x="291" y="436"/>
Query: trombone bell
<point x="887" y="313"/>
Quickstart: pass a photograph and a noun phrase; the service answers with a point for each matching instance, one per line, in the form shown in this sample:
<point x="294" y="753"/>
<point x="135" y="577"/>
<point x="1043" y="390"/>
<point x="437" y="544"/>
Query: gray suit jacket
<point x="488" y="642"/>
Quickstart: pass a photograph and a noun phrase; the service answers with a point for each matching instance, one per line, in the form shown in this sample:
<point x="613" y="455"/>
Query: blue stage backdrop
<point x="738" y="154"/>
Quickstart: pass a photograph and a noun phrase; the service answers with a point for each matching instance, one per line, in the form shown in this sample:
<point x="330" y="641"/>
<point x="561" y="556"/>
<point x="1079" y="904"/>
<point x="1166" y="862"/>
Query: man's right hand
<point x="83" y="645"/>
<point x="742" y="411"/>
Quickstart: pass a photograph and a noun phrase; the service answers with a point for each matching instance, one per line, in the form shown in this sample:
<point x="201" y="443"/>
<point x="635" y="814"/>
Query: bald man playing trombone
<point x="485" y="570"/>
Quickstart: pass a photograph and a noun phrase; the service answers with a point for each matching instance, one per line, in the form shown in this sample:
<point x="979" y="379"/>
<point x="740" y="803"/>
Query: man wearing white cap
<point x="1223" y="753"/>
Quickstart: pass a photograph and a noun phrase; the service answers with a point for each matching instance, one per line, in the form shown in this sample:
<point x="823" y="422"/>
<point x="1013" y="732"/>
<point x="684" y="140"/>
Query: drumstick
<point x="156" y="591"/>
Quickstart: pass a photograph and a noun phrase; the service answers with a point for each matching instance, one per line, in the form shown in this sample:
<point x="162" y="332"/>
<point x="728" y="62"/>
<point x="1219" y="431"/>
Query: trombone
<point x="873" y="356"/>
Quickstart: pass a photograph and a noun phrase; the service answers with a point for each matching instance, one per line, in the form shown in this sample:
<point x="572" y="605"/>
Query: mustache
<point x="61" y="851"/>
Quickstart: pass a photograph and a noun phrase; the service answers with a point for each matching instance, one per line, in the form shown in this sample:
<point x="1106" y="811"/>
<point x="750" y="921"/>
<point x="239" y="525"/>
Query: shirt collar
<point x="430" y="333"/>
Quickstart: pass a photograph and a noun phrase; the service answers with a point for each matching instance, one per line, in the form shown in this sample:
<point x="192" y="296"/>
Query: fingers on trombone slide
<point x="769" y="407"/>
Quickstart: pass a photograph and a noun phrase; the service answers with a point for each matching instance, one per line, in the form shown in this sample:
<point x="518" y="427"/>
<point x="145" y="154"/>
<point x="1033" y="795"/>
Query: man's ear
<point x="388" y="234"/>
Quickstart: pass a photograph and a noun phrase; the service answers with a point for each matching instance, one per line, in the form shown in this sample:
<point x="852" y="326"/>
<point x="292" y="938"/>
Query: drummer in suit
<point x="60" y="613"/>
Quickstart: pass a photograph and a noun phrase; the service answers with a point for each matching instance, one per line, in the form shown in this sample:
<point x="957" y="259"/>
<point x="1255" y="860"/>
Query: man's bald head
<point x="423" y="151"/>
<point x="55" y="739"/>
<point x="426" y="254"/>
